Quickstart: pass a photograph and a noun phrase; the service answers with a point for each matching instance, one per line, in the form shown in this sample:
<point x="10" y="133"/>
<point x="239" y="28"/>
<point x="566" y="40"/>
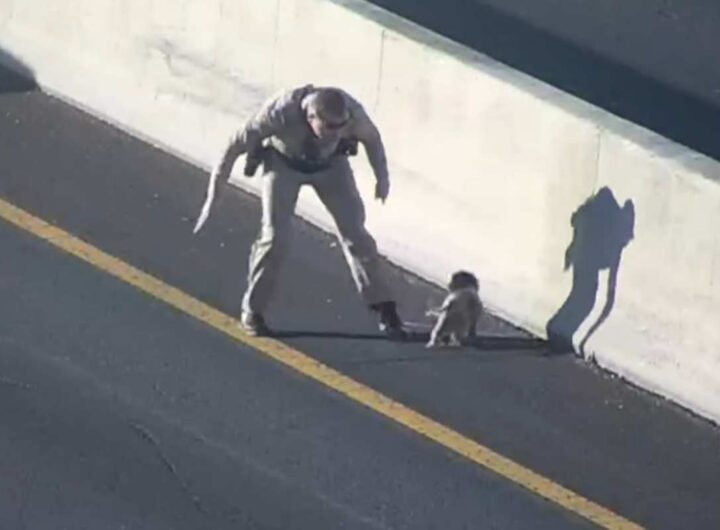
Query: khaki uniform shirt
<point x="282" y="122"/>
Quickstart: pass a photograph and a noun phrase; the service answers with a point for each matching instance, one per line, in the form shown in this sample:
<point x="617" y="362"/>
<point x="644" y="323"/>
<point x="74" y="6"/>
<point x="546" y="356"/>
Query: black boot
<point x="254" y="324"/>
<point x="389" y="321"/>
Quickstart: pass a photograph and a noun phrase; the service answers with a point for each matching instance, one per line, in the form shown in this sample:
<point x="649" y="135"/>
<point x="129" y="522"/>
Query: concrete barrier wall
<point x="492" y="171"/>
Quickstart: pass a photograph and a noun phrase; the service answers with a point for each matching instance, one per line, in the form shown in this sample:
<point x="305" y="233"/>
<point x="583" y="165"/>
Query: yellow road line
<point x="308" y="366"/>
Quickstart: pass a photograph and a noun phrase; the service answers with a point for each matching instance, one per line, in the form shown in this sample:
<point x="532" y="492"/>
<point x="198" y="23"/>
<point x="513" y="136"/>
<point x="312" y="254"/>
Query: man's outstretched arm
<point x="367" y="133"/>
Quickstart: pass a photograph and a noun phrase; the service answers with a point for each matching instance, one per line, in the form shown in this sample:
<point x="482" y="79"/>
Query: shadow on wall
<point x="601" y="231"/>
<point x="15" y="76"/>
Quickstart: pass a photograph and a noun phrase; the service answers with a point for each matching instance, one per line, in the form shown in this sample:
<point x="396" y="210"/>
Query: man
<point x="304" y="137"/>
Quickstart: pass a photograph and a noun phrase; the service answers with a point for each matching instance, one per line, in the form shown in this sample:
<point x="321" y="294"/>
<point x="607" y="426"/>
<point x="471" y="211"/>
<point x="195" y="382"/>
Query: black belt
<point x="301" y="165"/>
<point x="346" y="147"/>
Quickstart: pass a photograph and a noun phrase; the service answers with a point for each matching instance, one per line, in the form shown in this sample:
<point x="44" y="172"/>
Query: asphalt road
<point x="117" y="411"/>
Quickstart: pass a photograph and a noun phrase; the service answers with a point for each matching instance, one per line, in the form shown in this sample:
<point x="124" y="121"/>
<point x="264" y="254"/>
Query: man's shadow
<point x="601" y="231"/>
<point x="416" y="336"/>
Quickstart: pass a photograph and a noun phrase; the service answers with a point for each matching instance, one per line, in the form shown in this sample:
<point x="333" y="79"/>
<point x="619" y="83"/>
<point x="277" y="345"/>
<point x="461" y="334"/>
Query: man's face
<point x="325" y="127"/>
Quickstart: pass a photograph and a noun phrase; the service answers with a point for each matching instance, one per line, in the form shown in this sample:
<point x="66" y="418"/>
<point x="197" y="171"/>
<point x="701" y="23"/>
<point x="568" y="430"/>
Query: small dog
<point x="457" y="317"/>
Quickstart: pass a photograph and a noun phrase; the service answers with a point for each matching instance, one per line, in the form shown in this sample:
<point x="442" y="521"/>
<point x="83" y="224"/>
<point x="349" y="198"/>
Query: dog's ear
<point x="473" y="281"/>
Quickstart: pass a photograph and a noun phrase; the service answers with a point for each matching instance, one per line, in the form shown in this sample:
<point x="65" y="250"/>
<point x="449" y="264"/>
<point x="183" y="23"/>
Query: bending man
<point x="304" y="137"/>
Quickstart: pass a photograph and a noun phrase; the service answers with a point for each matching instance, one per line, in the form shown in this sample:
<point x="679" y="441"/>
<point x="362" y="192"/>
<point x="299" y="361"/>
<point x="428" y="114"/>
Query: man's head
<point x="327" y="112"/>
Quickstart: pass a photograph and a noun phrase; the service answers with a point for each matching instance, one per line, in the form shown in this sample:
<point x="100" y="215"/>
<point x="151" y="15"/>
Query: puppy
<point x="457" y="317"/>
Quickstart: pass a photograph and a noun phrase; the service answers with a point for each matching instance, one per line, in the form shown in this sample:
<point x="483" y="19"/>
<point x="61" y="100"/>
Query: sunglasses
<point x="330" y="124"/>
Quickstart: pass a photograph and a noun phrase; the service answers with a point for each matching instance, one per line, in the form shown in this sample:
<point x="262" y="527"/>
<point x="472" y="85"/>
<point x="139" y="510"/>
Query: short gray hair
<point x="329" y="103"/>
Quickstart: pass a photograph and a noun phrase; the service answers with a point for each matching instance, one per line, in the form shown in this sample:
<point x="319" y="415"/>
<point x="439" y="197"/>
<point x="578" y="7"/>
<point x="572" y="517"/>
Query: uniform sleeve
<point x="367" y="133"/>
<point x="266" y="122"/>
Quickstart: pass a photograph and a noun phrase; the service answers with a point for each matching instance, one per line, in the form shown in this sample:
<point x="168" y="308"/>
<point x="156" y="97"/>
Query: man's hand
<point x="382" y="190"/>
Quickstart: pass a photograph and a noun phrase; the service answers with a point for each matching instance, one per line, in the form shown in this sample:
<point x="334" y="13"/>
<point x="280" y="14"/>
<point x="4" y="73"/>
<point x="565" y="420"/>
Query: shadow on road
<point x="15" y="76"/>
<point x="483" y="343"/>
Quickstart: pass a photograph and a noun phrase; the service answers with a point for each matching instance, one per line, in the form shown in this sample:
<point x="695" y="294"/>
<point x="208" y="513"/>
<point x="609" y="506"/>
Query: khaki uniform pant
<point x="337" y="190"/>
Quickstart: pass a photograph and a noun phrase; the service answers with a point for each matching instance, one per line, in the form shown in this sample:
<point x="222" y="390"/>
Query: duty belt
<point x="302" y="165"/>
